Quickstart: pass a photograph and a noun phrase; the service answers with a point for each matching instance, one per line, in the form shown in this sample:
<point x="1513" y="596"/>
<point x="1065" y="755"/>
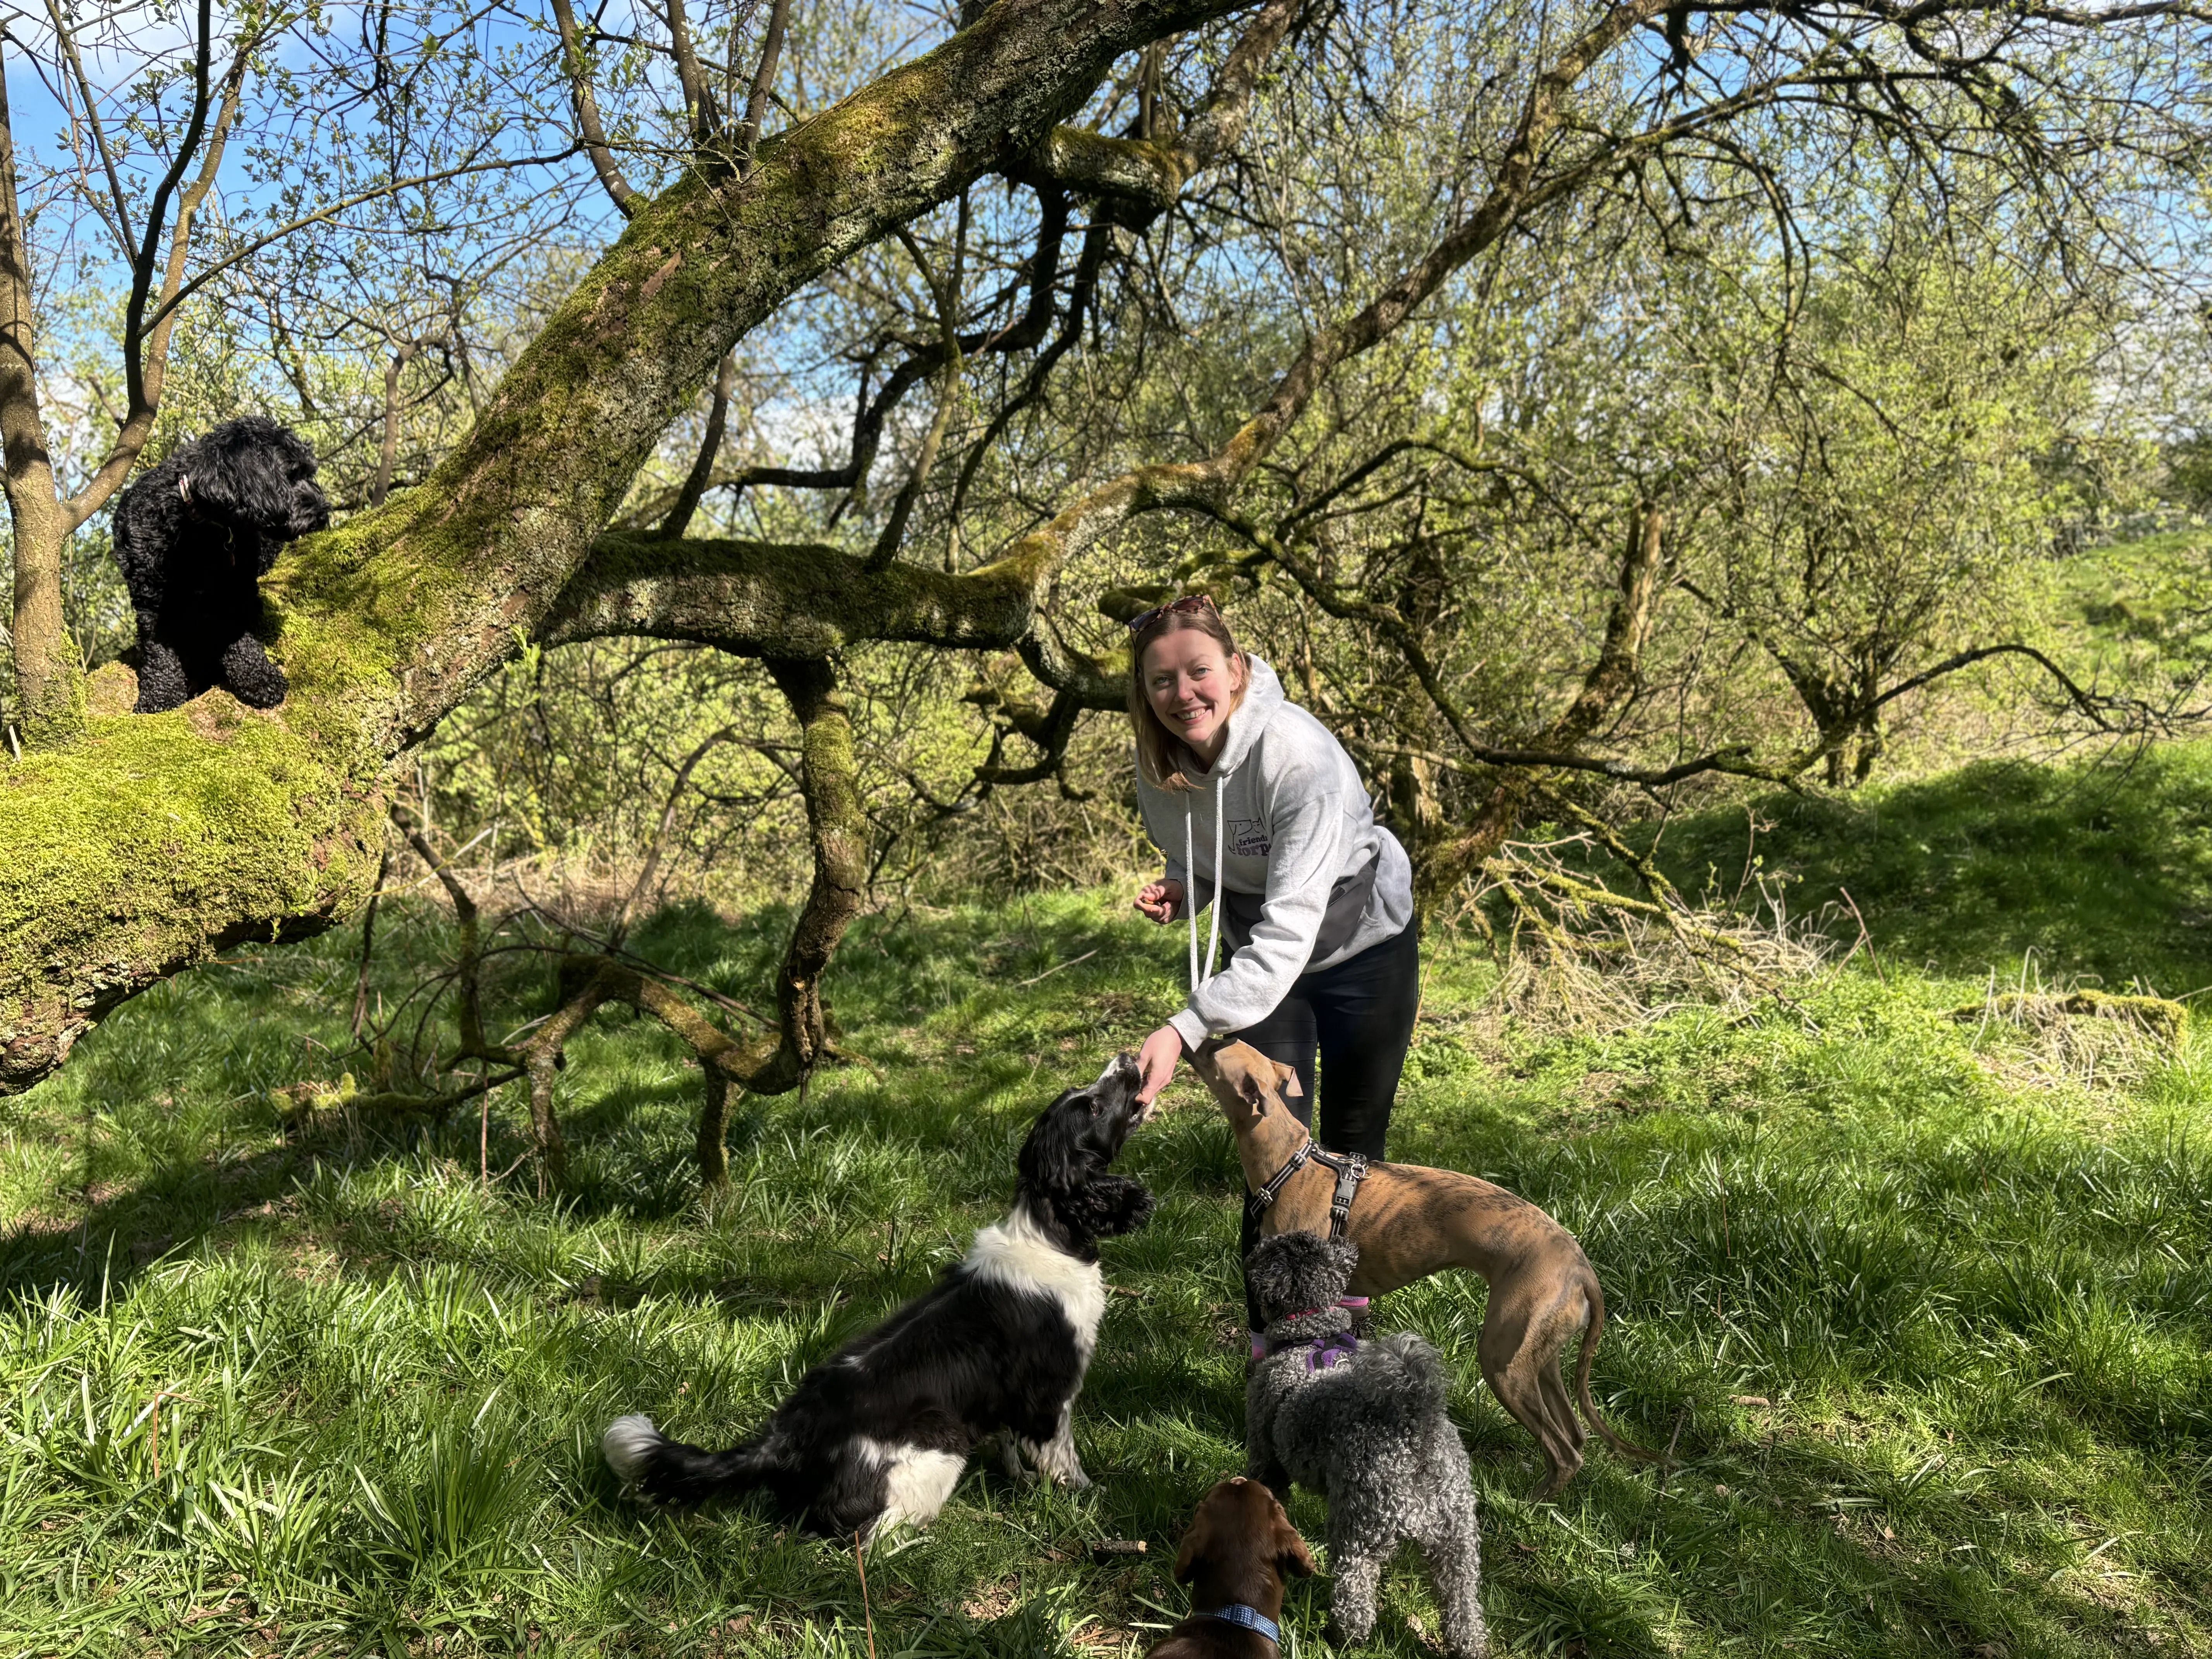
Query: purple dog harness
<point x="1322" y="1351"/>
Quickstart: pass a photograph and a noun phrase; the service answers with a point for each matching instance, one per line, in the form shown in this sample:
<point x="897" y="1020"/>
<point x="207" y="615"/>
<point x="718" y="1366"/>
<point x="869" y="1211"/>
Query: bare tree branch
<point x="577" y="69"/>
<point x="945" y="293"/>
<point x="710" y="446"/>
<point x="698" y="100"/>
<point x="771" y="52"/>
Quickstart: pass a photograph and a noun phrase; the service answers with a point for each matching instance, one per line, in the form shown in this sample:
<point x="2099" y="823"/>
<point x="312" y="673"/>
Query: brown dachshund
<point x="1239" y="1549"/>
<point x="1408" y="1222"/>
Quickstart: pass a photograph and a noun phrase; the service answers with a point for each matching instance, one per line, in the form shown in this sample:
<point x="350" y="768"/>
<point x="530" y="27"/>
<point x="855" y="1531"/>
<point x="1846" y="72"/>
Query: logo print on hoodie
<point x="1248" y="838"/>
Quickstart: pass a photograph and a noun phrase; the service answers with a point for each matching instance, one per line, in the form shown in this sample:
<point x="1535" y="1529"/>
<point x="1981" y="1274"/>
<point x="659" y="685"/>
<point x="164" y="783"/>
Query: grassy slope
<point x="1980" y="1309"/>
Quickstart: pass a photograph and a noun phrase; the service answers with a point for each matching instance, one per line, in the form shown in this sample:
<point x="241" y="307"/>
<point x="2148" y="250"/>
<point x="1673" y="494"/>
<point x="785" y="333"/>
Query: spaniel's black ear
<point x="1053" y="1158"/>
<point x="1117" y="1205"/>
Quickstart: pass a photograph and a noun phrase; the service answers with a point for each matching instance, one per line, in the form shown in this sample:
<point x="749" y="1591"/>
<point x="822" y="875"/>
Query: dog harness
<point x="1246" y="1618"/>
<point x="1350" y="1170"/>
<point x="1326" y="1350"/>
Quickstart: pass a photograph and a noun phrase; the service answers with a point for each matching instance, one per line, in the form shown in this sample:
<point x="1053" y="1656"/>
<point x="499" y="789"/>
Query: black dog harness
<point x="1350" y="1170"/>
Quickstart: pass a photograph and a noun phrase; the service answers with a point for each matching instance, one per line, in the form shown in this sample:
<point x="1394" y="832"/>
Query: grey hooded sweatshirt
<point x="1307" y="878"/>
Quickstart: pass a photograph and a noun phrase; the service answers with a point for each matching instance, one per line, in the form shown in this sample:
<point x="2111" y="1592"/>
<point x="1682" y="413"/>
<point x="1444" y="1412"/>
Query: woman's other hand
<point x="1160" y="900"/>
<point x="1155" y="1063"/>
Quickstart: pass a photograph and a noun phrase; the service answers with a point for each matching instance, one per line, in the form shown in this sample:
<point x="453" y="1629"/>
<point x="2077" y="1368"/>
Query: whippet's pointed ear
<point x="1255" y="1095"/>
<point x="1292" y="1086"/>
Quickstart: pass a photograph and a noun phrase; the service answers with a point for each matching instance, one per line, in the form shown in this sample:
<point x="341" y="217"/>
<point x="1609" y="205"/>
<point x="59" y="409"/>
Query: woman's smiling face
<point x="1192" y="683"/>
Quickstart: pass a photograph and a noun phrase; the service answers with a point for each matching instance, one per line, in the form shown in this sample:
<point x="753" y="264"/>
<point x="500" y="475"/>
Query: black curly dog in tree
<point x="194" y="536"/>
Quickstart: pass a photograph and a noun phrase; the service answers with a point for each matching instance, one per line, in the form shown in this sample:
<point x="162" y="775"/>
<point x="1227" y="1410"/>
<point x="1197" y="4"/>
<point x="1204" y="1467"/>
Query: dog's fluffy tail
<point x="1404" y="1371"/>
<point x="1595" y="1297"/>
<point x="668" y="1472"/>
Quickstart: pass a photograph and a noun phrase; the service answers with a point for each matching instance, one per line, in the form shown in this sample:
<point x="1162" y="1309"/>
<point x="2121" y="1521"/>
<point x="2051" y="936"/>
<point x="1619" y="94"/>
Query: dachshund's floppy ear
<point x="1195" y="1543"/>
<point x="1292" y="1558"/>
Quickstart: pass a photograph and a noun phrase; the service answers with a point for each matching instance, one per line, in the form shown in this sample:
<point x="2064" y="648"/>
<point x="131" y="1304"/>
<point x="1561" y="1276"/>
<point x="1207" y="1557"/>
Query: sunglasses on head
<point x="1189" y="606"/>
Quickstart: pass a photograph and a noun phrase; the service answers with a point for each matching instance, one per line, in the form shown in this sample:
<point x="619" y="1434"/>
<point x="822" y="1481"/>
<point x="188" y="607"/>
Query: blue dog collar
<point x="1250" y="1619"/>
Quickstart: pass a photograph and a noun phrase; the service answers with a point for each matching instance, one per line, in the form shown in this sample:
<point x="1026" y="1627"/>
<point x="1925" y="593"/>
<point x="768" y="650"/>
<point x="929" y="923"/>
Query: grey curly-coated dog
<point x="1361" y="1419"/>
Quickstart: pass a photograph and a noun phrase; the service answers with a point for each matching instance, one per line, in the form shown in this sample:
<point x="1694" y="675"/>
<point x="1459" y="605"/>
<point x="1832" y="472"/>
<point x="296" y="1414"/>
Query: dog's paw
<point x="1343" y="1631"/>
<point x="249" y="675"/>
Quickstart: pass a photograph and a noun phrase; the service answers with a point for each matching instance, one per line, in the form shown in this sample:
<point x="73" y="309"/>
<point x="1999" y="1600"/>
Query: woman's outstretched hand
<point x="1155" y="1063"/>
<point x="1160" y="900"/>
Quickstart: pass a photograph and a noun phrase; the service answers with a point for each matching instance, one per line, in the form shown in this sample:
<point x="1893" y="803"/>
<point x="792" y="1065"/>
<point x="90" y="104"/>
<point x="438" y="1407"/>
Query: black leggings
<point x="1359" y="1014"/>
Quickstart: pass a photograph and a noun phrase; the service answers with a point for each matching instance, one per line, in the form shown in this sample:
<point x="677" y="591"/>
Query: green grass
<point x="319" y="1391"/>
<point x="2101" y="873"/>
<point x="2136" y="611"/>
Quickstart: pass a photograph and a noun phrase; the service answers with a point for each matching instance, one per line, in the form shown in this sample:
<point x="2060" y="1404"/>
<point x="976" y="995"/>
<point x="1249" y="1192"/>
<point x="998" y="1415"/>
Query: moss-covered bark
<point x="153" y="842"/>
<point x="771" y="599"/>
<point x="839" y="832"/>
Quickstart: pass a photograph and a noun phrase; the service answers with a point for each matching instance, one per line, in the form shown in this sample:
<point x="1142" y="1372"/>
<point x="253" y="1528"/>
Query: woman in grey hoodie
<point x="1265" y="822"/>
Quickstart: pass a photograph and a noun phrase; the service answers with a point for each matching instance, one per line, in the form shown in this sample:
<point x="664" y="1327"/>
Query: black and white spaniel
<point x="878" y="1433"/>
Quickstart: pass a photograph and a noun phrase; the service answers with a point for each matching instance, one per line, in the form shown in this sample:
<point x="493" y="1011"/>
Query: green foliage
<point x="1930" y="1340"/>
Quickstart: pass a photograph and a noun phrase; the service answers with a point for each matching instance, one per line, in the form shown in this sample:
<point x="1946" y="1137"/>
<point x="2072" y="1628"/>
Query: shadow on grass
<point x="165" y="1127"/>
<point x="2101" y="869"/>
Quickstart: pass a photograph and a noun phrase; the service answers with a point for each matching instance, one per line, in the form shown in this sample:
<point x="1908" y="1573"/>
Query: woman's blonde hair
<point x="1161" y="755"/>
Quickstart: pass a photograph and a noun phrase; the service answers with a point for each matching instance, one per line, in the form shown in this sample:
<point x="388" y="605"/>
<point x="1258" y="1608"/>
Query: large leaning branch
<point x="159" y="840"/>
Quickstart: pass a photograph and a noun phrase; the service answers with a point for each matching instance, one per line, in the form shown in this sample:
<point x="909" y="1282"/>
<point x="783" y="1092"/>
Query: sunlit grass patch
<point x="1926" y="1331"/>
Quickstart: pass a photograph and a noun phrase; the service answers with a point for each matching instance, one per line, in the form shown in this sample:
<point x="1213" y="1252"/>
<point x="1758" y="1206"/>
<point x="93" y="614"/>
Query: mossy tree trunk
<point x="153" y="843"/>
<point x="838" y="830"/>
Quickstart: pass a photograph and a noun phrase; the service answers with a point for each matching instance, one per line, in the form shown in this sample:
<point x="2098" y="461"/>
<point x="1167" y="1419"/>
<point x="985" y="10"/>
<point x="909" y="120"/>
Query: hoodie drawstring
<point x="1190" y="898"/>
<point x="1190" y="868"/>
